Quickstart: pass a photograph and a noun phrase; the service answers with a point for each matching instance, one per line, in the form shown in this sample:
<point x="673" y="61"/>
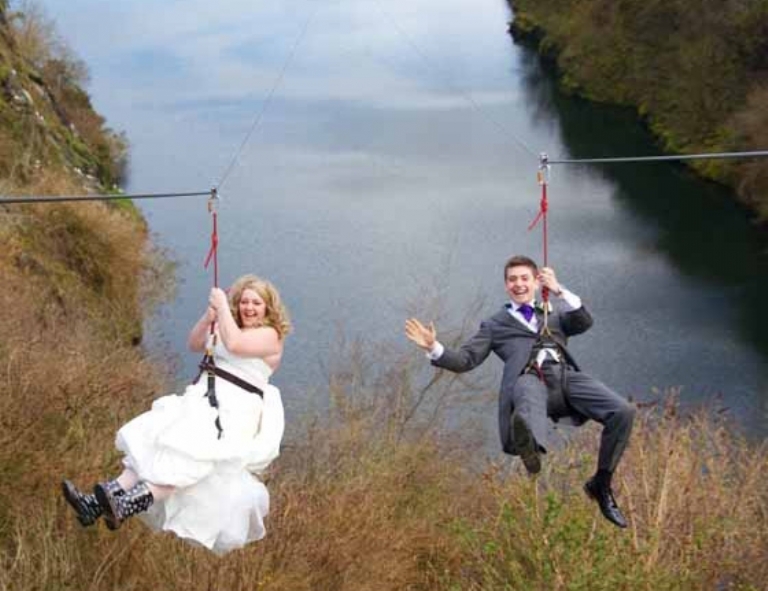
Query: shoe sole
<point x="107" y="502"/>
<point x="69" y="492"/>
<point x="593" y="496"/>
<point x="525" y="445"/>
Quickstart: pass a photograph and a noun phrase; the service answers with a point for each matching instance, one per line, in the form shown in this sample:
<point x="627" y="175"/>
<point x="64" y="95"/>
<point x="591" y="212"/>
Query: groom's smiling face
<point x="521" y="284"/>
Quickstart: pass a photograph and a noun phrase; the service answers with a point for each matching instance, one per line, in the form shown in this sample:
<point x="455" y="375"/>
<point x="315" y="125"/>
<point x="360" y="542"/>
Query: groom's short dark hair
<point x="520" y="261"/>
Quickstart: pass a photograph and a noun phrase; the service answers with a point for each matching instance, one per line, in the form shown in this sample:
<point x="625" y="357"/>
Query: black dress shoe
<point x="604" y="497"/>
<point x="525" y="445"/>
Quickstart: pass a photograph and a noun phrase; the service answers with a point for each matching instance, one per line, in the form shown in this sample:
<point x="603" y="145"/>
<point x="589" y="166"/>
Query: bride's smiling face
<point x="251" y="308"/>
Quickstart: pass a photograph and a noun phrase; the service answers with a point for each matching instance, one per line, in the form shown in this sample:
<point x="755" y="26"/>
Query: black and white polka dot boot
<point x="85" y="505"/>
<point x="118" y="508"/>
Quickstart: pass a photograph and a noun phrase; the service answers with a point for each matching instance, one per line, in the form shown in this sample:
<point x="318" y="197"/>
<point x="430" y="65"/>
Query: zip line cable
<point x="63" y="198"/>
<point x="544" y="160"/>
<point x="714" y="155"/>
<point x="265" y="105"/>
<point x="454" y="88"/>
<point x="542" y="157"/>
<point x="543" y="181"/>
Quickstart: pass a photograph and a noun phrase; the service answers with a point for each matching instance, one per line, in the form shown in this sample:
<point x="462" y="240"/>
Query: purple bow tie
<point x="527" y="311"/>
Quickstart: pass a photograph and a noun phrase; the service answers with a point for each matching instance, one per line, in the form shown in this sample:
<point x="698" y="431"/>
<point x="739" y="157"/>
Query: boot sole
<point x="69" y="492"/>
<point x="107" y="501"/>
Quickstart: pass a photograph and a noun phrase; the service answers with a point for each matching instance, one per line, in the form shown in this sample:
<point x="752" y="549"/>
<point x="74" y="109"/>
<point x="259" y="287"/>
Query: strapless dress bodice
<point x="252" y="369"/>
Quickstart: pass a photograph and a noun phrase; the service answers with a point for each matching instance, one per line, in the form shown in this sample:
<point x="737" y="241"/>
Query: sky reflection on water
<point x="399" y="153"/>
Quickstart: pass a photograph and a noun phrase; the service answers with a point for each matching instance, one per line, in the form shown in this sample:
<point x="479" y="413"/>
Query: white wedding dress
<point x="219" y="501"/>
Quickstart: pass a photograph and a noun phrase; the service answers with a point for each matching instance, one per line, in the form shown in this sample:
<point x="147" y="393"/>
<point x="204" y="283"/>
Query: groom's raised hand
<point x="423" y="336"/>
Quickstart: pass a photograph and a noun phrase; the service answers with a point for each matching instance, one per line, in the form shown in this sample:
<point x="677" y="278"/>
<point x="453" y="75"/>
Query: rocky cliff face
<point x="47" y="122"/>
<point x="73" y="263"/>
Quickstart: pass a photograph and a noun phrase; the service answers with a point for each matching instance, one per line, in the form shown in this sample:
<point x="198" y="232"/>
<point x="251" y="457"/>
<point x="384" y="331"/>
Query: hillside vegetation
<point x="378" y="498"/>
<point x="47" y="123"/>
<point x="696" y="72"/>
<point x="384" y="492"/>
<point x="75" y="276"/>
<point x="64" y="260"/>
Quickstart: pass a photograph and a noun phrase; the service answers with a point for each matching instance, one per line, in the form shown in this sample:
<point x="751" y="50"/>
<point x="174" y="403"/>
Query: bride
<point x="191" y="462"/>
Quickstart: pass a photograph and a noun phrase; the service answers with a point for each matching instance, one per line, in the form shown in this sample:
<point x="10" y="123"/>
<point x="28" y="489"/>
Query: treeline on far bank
<point x="696" y="73"/>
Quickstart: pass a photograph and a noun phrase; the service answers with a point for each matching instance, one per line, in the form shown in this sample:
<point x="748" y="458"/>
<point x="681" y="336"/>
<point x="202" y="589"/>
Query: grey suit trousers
<point x="586" y="395"/>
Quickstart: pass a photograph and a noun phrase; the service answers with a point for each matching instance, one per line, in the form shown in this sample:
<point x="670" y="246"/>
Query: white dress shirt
<point x="569" y="301"/>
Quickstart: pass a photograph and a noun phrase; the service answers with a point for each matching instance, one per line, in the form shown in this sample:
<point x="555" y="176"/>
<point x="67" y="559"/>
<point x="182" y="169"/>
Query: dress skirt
<point x="219" y="501"/>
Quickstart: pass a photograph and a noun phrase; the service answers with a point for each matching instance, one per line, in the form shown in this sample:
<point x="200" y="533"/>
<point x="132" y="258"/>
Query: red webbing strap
<point x="214" y="250"/>
<point x="542" y="215"/>
<point x="208" y="362"/>
<point x="541" y="176"/>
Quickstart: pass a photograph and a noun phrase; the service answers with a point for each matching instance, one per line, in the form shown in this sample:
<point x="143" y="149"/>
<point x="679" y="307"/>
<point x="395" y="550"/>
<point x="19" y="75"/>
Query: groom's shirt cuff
<point x="436" y="352"/>
<point x="570" y="300"/>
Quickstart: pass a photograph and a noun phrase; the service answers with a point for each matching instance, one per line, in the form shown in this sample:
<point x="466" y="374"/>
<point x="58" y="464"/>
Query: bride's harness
<point x="208" y="366"/>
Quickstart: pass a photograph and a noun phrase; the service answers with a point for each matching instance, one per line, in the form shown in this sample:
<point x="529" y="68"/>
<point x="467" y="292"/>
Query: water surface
<point x="398" y="157"/>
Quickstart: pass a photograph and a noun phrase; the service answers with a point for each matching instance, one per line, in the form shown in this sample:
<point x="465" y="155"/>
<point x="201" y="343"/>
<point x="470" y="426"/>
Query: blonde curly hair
<point x="276" y="315"/>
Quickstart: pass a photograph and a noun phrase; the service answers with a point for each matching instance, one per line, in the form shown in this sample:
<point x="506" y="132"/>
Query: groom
<point x="540" y="377"/>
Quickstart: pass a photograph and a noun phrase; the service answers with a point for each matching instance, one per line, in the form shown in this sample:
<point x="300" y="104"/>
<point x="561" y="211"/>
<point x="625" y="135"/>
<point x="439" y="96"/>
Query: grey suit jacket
<point x="512" y="341"/>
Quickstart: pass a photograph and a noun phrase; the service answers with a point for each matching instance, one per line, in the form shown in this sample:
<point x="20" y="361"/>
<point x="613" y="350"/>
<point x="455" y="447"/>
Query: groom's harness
<point x="551" y="372"/>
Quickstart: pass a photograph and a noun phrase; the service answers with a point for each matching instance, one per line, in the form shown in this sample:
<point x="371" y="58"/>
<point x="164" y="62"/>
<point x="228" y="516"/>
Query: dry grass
<point x="695" y="495"/>
<point x="377" y="494"/>
<point x="71" y="297"/>
<point x="372" y="498"/>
